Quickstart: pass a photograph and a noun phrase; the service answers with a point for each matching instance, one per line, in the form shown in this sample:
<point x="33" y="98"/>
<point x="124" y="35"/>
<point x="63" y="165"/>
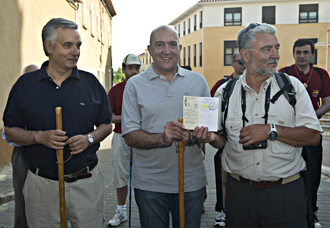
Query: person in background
<point x="220" y="220"/>
<point x="317" y="83"/>
<point x="20" y="169"/>
<point x="120" y="151"/>
<point x="239" y="68"/>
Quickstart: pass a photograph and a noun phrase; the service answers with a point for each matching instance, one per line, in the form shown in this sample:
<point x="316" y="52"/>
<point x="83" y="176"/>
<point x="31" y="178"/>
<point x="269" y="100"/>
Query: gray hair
<point x="246" y="36"/>
<point x="234" y="56"/>
<point x="49" y="30"/>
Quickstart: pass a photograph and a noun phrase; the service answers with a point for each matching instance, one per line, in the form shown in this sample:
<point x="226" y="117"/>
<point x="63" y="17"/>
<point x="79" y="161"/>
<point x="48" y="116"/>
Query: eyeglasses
<point x="251" y="26"/>
<point x="239" y="62"/>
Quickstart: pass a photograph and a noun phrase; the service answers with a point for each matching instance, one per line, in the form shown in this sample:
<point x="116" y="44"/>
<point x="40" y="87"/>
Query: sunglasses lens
<point x="240" y="62"/>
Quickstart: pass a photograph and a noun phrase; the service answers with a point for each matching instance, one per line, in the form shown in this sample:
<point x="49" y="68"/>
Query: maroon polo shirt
<point x="115" y="96"/>
<point x="218" y="84"/>
<point x="315" y="87"/>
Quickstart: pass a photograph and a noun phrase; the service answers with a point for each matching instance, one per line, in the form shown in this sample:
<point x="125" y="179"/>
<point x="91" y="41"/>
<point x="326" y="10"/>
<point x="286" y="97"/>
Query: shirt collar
<point x="151" y="73"/>
<point x="43" y="73"/>
<point x="263" y="87"/>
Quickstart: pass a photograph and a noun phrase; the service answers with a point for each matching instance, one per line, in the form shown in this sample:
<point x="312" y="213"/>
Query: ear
<point x="149" y="49"/>
<point x="48" y="47"/>
<point x="180" y="47"/>
<point x="245" y="56"/>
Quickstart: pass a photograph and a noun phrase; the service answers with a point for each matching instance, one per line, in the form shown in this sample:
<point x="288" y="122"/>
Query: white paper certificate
<point x="201" y="111"/>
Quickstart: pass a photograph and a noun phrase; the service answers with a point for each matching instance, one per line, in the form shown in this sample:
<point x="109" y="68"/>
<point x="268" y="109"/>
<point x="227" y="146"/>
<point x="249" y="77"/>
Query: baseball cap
<point x="131" y="59"/>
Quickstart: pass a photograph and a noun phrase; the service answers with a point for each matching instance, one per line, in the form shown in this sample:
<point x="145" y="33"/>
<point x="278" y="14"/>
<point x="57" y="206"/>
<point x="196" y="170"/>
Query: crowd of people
<point x="260" y="137"/>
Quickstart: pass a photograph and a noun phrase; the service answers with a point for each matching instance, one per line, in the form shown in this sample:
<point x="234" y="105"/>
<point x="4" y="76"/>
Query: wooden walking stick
<point x="58" y="112"/>
<point x="181" y="180"/>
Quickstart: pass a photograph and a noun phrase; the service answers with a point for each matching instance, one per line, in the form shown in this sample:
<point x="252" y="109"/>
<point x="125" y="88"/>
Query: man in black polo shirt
<point x="29" y="120"/>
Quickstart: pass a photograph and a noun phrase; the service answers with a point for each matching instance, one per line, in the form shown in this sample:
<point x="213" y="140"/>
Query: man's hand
<point x="175" y="130"/>
<point x="203" y="135"/>
<point x="254" y="133"/>
<point x="54" y="139"/>
<point x="78" y="144"/>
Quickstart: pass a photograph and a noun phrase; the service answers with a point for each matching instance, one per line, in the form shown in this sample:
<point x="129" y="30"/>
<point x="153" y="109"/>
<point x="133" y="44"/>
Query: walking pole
<point x="130" y="189"/>
<point x="58" y="112"/>
<point x="181" y="180"/>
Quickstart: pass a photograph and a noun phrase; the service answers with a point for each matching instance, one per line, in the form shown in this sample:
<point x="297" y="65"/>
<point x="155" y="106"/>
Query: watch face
<point x="273" y="135"/>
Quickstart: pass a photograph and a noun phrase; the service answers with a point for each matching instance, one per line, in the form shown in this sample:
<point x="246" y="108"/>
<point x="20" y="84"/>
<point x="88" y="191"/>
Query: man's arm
<point x="296" y="136"/>
<point x="53" y="139"/>
<point x="79" y="143"/>
<point x="324" y="108"/>
<point x="172" y="130"/>
<point x="116" y="118"/>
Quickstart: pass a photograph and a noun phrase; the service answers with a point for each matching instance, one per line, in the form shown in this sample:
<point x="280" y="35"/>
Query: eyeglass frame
<point x="239" y="62"/>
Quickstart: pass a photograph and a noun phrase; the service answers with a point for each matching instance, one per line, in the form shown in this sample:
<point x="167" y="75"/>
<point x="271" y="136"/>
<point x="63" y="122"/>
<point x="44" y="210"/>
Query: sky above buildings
<point x="135" y="20"/>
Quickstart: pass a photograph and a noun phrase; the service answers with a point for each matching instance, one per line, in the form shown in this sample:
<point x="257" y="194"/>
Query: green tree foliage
<point x="119" y="76"/>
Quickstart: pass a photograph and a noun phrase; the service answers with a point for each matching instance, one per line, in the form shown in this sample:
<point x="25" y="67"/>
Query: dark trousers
<point x="218" y="181"/>
<point x="283" y="206"/>
<point x="317" y="154"/>
<point x="20" y="169"/>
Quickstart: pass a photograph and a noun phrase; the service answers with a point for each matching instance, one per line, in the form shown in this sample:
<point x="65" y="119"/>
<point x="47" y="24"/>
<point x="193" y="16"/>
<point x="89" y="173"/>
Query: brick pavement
<point x="7" y="209"/>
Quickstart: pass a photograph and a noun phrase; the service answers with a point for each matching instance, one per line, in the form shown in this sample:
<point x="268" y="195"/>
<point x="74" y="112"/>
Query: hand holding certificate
<point x="201" y="111"/>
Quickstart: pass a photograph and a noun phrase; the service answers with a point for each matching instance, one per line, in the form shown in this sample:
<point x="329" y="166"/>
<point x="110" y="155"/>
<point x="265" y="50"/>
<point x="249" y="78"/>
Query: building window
<point x="92" y="19"/>
<point x="188" y="63"/>
<point x="233" y="16"/>
<point x="179" y="30"/>
<point x="308" y="13"/>
<point x="188" y="25"/>
<point x="84" y="16"/>
<point x="147" y="58"/>
<point x="314" y="59"/>
<point x="195" y="22"/>
<point x="150" y="59"/>
<point x="230" y="48"/>
<point x="201" y="19"/>
<point x="268" y="14"/>
<point x="200" y="54"/>
<point x="184" y="28"/>
<point x="98" y="27"/>
<point x="184" y="56"/>
<point x="194" y="55"/>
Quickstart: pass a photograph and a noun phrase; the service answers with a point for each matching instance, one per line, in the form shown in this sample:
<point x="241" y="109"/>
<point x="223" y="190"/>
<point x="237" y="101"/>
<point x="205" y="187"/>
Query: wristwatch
<point x="90" y="139"/>
<point x="272" y="135"/>
<point x="192" y="138"/>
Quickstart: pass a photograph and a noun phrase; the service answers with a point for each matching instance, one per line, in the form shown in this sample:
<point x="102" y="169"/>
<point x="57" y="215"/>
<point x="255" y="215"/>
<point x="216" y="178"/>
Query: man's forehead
<point x="303" y="48"/>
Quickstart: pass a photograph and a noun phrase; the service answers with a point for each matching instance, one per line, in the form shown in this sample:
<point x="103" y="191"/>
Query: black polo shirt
<point x="31" y="105"/>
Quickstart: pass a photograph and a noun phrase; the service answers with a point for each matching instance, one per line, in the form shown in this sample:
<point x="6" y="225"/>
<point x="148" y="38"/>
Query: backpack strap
<point x="227" y="91"/>
<point x="287" y="69"/>
<point x="287" y="89"/>
<point x="318" y="71"/>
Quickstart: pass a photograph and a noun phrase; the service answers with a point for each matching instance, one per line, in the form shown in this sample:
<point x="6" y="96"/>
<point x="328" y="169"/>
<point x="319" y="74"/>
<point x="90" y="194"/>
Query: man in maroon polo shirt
<point x="238" y="66"/>
<point x="317" y="83"/>
<point x="120" y="151"/>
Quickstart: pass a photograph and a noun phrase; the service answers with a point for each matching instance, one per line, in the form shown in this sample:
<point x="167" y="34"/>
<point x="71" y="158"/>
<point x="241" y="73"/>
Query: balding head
<point x="162" y="29"/>
<point x="30" y="68"/>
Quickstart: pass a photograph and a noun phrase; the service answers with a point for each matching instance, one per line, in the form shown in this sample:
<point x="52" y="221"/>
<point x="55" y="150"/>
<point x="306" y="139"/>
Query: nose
<point x="75" y="50"/>
<point x="275" y="54"/>
<point x="166" y="49"/>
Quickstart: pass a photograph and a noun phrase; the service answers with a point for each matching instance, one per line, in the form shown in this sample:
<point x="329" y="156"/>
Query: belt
<point x="266" y="184"/>
<point x="82" y="174"/>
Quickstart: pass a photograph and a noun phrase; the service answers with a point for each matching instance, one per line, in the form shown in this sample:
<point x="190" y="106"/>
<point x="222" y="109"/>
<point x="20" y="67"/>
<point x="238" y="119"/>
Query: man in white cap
<point x="120" y="151"/>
